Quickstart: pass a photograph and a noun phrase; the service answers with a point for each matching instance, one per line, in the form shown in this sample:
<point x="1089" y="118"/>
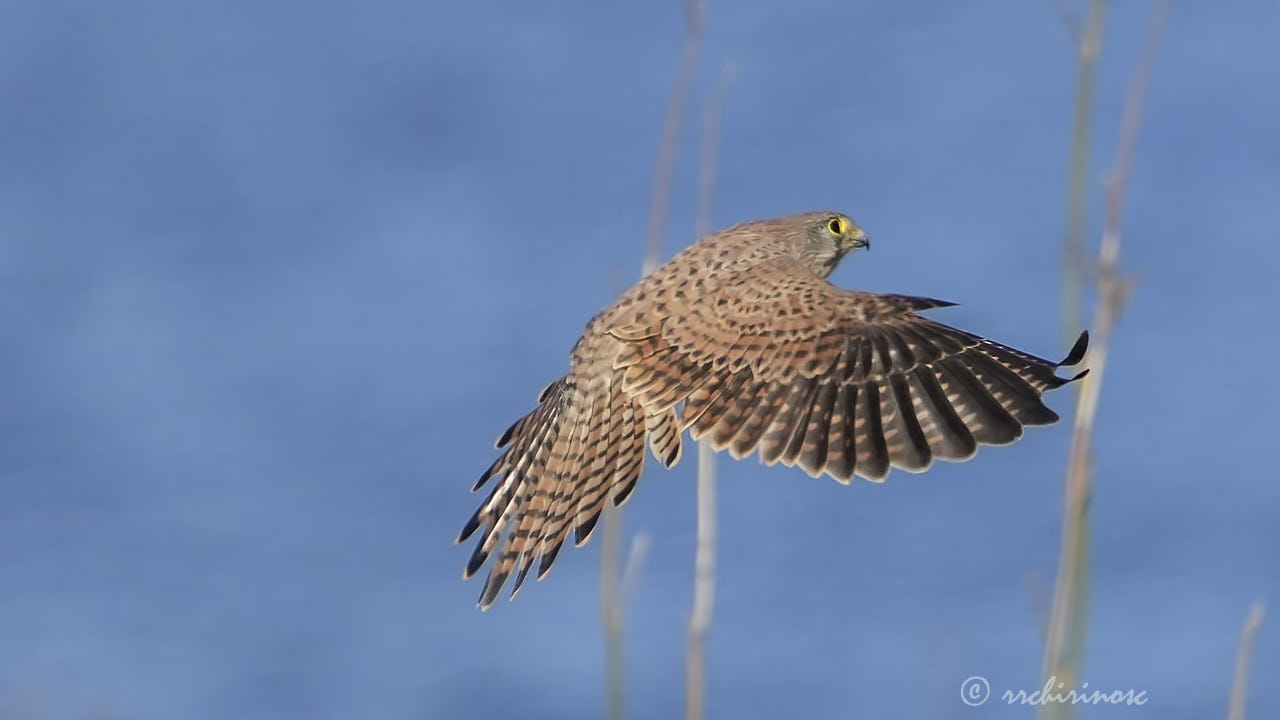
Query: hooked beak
<point x="856" y="240"/>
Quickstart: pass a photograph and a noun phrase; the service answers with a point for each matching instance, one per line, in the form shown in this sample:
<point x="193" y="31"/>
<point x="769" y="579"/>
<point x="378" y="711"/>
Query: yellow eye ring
<point x="836" y="226"/>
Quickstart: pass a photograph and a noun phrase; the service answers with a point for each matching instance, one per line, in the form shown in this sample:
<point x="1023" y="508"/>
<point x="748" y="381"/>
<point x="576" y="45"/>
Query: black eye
<point x="834" y="226"/>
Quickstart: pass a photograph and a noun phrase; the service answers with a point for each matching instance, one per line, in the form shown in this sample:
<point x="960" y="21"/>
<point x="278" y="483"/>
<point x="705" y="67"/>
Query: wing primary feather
<point x="737" y="414"/>
<point x="700" y="399"/>
<point x="872" y="452"/>
<point x="842" y="443"/>
<point x="719" y="404"/>
<point x="1077" y="352"/>
<point x="776" y="437"/>
<point x="954" y="440"/>
<point x="752" y="430"/>
<point x="914" y="453"/>
<point x="511" y="430"/>
<point x="630" y="467"/>
<point x="813" y="453"/>
<point x="596" y="455"/>
<point x="799" y="424"/>
<point x="1019" y="397"/>
<point x="991" y="424"/>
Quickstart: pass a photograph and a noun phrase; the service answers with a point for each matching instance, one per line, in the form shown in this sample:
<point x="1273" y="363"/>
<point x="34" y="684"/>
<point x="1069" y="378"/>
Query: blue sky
<point x="273" y="277"/>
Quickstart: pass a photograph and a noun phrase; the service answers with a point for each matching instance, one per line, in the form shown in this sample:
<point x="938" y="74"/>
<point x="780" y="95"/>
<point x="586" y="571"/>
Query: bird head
<point x="826" y="237"/>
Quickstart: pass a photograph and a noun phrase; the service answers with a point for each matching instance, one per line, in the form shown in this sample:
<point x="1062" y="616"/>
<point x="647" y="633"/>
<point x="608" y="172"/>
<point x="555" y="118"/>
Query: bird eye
<point x="836" y="226"/>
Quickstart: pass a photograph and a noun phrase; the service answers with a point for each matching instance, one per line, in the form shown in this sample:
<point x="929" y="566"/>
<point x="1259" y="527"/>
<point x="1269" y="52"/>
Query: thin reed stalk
<point x="615" y="585"/>
<point x="704" y="579"/>
<point x="1068" y="619"/>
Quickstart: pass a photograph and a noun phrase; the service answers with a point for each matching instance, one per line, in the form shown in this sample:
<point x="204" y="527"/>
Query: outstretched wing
<point x="769" y="358"/>
<point x="778" y="360"/>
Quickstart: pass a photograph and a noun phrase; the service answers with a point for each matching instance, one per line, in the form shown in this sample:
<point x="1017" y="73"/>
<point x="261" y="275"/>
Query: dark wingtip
<point x="505" y="437"/>
<point x="624" y="492"/>
<point x="484" y="478"/>
<point x="490" y="592"/>
<point x="582" y="532"/>
<point x="468" y="529"/>
<point x="915" y="302"/>
<point x="1077" y="351"/>
<point x="477" y="559"/>
<point x="548" y="390"/>
<point x="673" y="456"/>
<point x="1079" y="375"/>
<point x="520" y="576"/>
<point x="549" y="557"/>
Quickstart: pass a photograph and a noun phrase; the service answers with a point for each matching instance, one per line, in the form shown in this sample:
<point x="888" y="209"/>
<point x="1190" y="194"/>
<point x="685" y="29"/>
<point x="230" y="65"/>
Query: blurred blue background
<point x="274" y="275"/>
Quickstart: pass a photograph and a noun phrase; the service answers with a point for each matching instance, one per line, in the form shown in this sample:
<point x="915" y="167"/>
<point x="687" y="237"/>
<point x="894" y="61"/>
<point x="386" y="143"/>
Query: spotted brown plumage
<point x="740" y="338"/>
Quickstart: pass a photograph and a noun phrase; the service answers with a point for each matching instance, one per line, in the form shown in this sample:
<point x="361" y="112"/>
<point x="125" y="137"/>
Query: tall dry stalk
<point x="1067" y="629"/>
<point x="1088" y="48"/>
<point x="615" y="585"/>
<point x="704" y="577"/>
<point x="693" y="11"/>
<point x="615" y="589"/>
<point x="1244" y="659"/>
<point x="1073" y="564"/>
<point x="611" y="618"/>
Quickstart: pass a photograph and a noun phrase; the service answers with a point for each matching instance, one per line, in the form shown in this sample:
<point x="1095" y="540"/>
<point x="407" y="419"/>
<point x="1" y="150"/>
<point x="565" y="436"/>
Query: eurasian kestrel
<point x="741" y="338"/>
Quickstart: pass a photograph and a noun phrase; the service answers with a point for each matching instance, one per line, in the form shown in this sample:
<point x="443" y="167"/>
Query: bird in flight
<point x="741" y="339"/>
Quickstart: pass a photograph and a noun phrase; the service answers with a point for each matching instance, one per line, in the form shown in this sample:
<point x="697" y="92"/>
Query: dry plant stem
<point x="671" y="134"/>
<point x="615" y="588"/>
<point x="1066" y="630"/>
<point x="709" y="158"/>
<point x="1244" y="658"/>
<point x="631" y="571"/>
<point x="611" y="613"/>
<point x="1089" y="46"/>
<point x="704" y="578"/>
<point x="704" y="569"/>
<point x="1068" y="605"/>
<point x="613" y="584"/>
